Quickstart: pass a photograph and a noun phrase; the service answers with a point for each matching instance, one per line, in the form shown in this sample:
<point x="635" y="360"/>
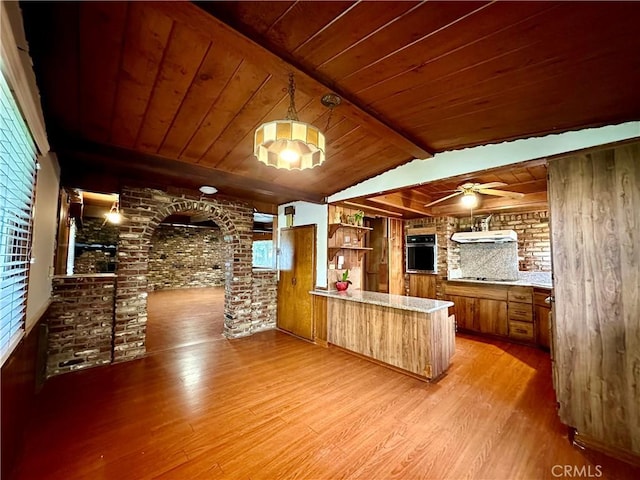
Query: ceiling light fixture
<point x="208" y="190"/>
<point x="469" y="199"/>
<point x="289" y="143"/>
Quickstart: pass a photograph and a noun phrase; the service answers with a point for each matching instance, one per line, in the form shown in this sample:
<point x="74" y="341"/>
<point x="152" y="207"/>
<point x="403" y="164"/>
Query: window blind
<point x="17" y="183"/>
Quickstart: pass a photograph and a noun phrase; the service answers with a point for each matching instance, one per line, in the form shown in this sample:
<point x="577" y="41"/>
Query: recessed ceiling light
<point x="207" y="190"/>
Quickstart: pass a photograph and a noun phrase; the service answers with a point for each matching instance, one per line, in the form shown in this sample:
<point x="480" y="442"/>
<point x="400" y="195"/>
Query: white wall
<point x="311" y="214"/>
<point x="44" y="238"/>
<point x="458" y="162"/>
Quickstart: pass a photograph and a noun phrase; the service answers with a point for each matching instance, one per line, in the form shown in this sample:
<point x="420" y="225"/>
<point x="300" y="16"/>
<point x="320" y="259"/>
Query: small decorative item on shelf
<point x="343" y="284"/>
<point x="358" y="218"/>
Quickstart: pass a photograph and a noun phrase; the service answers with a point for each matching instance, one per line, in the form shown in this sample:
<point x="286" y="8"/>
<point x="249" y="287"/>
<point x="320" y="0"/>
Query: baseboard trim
<point x="584" y="441"/>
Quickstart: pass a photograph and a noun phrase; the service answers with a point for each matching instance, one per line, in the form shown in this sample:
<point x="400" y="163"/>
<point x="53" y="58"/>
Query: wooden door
<point x="396" y="256"/>
<point x="297" y="277"/>
<point x="594" y="200"/>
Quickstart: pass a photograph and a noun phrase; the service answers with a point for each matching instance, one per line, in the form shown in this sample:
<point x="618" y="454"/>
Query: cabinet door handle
<point x="294" y="281"/>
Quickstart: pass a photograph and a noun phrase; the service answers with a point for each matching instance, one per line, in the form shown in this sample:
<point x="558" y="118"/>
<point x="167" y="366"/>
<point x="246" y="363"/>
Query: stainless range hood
<point x="491" y="236"/>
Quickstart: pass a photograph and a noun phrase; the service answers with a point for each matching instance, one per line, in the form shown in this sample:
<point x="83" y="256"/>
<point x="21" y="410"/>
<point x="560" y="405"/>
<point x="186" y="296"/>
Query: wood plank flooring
<point x="273" y="406"/>
<point x="181" y="317"/>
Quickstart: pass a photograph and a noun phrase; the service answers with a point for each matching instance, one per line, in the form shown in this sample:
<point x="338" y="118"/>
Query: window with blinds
<point x="17" y="183"/>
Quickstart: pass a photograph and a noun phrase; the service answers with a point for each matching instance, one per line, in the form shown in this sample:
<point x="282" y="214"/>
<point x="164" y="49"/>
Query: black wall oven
<point x="421" y="254"/>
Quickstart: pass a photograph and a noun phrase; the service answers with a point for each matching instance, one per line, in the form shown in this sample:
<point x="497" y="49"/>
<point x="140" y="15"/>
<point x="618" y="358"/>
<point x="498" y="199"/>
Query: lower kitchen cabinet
<point x="422" y="285"/>
<point x="541" y="311"/>
<point x="484" y="311"/>
<point x="465" y="311"/>
<point x="499" y="310"/>
<point x="492" y="316"/>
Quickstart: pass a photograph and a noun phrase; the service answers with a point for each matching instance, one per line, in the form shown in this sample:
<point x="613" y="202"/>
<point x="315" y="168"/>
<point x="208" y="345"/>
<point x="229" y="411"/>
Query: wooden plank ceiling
<point x="528" y="178"/>
<point x="168" y="94"/>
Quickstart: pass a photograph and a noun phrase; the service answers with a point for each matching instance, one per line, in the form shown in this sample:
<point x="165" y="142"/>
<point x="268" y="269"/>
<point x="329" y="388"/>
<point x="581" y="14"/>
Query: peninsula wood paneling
<point x="417" y="342"/>
<point x="595" y="236"/>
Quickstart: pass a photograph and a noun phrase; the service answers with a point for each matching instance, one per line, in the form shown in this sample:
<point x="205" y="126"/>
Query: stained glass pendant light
<point x="289" y="143"/>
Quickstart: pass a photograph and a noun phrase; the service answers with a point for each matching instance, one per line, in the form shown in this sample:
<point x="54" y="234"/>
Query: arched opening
<point x="144" y="210"/>
<point x="188" y="256"/>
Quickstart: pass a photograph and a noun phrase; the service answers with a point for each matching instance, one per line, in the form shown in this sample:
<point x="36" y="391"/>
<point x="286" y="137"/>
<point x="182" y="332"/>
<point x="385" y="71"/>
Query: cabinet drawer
<point x="520" y="311"/>
<point x="521" y="294"/>
<point x="521" y="330"/>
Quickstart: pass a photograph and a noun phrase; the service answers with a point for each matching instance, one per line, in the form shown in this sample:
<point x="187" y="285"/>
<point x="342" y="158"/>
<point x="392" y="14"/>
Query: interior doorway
<point x="186" y="282"/>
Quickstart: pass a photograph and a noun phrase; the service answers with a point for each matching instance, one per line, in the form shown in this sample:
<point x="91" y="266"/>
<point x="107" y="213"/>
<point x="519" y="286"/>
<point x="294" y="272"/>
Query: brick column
<point x="264" y="300"/>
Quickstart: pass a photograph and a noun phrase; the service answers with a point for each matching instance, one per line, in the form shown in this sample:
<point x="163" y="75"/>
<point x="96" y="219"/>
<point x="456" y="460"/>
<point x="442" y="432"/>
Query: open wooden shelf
<point x="333" y="228"/>
<point x="334" y="250"/>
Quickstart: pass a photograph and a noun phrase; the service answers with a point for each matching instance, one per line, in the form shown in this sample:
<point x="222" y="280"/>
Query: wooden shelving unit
<point x="334" y="227"/>
<point x="360" y="230"/>
<point x="334" y="250"/>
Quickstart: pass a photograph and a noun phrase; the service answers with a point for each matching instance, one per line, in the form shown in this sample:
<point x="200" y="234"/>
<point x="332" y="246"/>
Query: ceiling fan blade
<point x="491" y="185"/>
<point x="501" y="193"/>
<point x="443" y="199"/>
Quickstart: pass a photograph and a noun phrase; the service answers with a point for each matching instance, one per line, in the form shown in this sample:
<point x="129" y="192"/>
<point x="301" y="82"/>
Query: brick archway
<point x="144" y="209"/>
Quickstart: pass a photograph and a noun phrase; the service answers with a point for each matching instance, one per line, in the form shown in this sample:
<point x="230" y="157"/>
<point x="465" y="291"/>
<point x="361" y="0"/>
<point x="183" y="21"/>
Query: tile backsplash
<point x="493" y="261"/>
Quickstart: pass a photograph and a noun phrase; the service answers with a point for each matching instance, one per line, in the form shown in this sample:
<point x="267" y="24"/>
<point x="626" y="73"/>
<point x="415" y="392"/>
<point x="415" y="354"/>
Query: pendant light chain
<point x="292" y="113"/>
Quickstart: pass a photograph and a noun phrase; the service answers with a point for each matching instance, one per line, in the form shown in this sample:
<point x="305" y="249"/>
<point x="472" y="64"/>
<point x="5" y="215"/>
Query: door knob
<point x="294" y="281"/>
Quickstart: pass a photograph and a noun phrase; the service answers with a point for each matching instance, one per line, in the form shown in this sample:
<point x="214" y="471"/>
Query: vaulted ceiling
<point x="169" y="94"/>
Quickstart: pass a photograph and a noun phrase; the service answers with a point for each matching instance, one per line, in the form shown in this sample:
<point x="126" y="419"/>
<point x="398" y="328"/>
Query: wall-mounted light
<point x="469" y="199"/>
<point x="114" y="215"/>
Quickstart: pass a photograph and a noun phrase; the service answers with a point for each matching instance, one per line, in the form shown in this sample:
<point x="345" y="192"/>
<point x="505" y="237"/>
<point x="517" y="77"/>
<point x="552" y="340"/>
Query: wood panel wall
<point x="18" y="380"/>
<point x="595" y="232"/>
<point x="396" y="256"/>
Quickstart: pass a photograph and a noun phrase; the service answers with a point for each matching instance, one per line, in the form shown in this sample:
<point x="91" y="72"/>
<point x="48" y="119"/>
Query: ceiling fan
<point x="469" y="189"/>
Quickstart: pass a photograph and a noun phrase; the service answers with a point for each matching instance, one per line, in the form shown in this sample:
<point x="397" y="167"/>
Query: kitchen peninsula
<point x="415" y="335"/>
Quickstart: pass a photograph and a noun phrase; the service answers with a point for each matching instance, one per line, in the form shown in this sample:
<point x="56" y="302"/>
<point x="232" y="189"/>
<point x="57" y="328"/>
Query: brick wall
<point x="95" y="260"/>
<point x="445" y="227"/>
<point x="264" y="299"/>
<point x="143" y="210"/>
<point x="534" y="243"/>
<point x="80" y="321"/>
<point x="185" y="257"/>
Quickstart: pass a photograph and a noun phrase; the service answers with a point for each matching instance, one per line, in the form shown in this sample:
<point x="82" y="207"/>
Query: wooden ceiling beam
<point x="364" y="205"/>
<point x="402" y="201"/>
<point x="88" y="157"/>
<point x="310" y="83"/>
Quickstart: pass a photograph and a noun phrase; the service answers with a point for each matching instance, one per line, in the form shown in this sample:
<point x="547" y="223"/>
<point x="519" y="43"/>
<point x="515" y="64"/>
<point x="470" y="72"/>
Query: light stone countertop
<point x="425" y="305"/>
<point x="525" y="279"/>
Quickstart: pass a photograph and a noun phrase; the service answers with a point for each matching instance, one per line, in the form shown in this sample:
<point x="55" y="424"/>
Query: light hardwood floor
<point x="273" y="406"/>
<point x="181" y="317"/>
